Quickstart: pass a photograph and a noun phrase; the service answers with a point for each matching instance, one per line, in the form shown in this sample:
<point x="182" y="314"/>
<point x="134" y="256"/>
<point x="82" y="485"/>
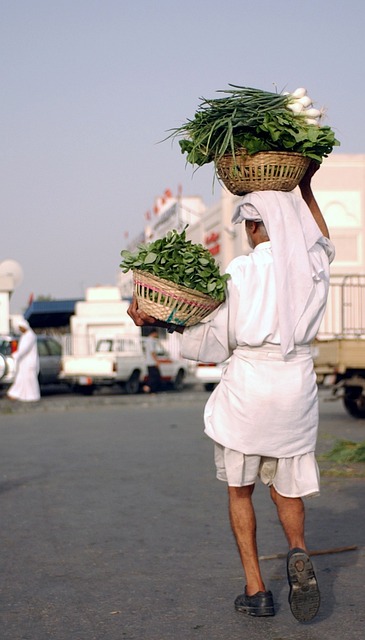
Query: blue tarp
<point x="50" y="313"/>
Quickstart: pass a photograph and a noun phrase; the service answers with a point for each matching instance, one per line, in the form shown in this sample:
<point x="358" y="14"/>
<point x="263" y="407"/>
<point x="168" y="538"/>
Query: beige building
<point x="339" y="187"/>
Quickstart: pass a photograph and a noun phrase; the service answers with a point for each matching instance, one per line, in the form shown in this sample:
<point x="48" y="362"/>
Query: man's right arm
<point x="309" y="199"/>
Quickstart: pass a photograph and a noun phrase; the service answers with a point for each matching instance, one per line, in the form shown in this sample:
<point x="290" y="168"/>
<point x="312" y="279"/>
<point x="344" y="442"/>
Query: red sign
<point x="215" y="249"/>
<point x="212" y="243"/>
<point x="212" y="238"/>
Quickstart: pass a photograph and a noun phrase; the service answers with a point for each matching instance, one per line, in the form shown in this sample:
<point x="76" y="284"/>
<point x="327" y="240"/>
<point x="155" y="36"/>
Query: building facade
<point x="339" y="188"/>
<point x="169" y="213"/>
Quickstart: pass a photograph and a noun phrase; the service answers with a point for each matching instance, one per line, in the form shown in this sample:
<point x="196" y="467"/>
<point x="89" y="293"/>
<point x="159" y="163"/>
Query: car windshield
<point x="123" y="344"/>
<point x="104" y="346"/>
<point x="54" y="348"/>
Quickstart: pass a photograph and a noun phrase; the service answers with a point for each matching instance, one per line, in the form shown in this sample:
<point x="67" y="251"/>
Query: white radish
<point x="295" y="107"/>
<point x="312" y="121"/>
<point x="313" y="113"/>
<point x="306" y="101"/>
<point x="299" y="93"/>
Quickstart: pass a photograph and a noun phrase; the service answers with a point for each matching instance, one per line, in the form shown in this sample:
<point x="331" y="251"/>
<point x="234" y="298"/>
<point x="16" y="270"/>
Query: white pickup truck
<point x="119" y="361"/>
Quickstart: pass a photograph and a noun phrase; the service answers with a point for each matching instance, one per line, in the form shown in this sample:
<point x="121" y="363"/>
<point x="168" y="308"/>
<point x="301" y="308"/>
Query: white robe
<point x="26" y="386"/>
<point x="266" y="404"/>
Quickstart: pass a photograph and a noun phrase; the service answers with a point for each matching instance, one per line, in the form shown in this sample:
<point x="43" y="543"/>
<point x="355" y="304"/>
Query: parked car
<point x="50" y="353"/>
<point x="209" y="374"/>
<point x="120" y="362"/>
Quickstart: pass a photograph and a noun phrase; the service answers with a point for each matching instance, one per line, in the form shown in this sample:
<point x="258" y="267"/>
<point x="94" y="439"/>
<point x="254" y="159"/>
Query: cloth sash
<point x="269" y="351"/>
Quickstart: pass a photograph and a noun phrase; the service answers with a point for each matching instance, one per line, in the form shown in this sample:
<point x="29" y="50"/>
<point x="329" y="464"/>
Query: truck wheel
<point x="355" y="406"/>
<point x="132" y="384"/>
<point x="178" y="383"/>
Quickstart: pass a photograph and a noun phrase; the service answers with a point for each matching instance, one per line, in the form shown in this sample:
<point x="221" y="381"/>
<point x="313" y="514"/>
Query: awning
<point x="50" y="313"/>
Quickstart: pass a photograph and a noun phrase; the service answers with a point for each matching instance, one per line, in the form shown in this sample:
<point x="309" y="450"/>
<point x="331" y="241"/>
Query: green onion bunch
<point x="254" y="120"/>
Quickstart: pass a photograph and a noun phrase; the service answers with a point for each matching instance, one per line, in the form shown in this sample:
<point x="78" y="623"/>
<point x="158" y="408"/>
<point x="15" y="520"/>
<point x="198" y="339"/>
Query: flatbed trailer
<point x="339" y="350"/>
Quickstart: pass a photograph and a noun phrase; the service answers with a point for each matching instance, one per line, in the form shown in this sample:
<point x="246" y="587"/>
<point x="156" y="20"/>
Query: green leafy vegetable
<point x="178" y="260"/>
<point x="252" y="119"/>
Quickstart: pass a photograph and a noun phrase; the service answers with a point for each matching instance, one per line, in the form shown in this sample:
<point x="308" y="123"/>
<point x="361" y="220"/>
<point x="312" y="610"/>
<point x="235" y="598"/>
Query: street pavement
<point x="113" y="526"/>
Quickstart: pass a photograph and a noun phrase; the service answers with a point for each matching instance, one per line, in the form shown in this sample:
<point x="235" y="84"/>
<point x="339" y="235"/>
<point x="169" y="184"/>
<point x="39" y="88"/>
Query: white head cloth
<point x="24" y="324"/>
<point x="292" y="231"/>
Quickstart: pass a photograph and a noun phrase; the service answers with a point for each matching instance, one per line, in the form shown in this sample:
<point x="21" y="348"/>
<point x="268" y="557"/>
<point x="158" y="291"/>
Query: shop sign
<point x="212" y="243"/>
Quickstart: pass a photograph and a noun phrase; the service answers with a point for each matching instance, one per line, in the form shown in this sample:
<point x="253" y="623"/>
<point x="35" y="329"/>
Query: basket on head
<point x="262" y="171"/>
<point x="170" y="302"/>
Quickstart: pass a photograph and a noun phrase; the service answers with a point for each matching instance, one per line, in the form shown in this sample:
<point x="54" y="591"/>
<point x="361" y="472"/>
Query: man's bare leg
<point x="304" y="595"/>
<point x="243" y="523"/>
<point x="291" y="515"/>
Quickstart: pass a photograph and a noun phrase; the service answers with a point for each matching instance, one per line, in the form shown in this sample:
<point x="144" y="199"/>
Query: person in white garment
<point x="26" y="385"/>
<point x="263" y="415"/>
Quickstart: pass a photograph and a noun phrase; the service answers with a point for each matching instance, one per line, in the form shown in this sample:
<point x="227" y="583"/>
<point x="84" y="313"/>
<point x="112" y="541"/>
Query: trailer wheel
<point x="355" y="404"/>
<point x="132" y="384"/>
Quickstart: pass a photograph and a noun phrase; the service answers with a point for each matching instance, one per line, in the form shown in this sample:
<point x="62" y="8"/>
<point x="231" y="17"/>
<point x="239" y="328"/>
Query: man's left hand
<point x="139" y="317"/>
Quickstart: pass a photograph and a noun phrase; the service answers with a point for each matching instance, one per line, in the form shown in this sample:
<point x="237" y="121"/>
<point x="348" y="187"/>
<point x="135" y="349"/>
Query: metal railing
<point x="345" y="311"/>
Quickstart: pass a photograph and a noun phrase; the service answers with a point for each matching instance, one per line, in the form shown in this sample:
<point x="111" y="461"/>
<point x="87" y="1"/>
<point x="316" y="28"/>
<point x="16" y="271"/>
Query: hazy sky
<point x="90" y="87"/>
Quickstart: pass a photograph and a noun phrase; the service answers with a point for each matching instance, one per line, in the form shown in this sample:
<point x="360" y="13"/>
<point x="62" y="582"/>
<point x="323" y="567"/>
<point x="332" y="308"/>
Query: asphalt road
<point x="113" y="527"/>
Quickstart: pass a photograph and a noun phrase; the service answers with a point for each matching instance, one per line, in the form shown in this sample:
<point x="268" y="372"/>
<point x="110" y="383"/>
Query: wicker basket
<point x="262" y="171"/>
<point x="170" y="302"/>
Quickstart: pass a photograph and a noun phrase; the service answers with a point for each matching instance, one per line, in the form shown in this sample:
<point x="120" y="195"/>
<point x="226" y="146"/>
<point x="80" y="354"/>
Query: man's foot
<point x="260" y="604"/>
<point x="304" y="596"/>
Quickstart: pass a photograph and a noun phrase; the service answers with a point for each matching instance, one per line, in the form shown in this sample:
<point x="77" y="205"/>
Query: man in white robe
<point x="26" y="385"/>
<point x="263" y="415"/>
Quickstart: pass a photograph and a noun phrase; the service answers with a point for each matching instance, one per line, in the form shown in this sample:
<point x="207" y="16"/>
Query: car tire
<point x="178" y="383"/>
<point x="3" y="367"/>
<point x="209" y="386"/>
<point x="132" y="385"/>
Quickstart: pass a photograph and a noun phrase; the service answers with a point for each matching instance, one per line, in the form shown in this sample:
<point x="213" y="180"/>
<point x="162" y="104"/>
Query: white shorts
<point x="291" y="477"/>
